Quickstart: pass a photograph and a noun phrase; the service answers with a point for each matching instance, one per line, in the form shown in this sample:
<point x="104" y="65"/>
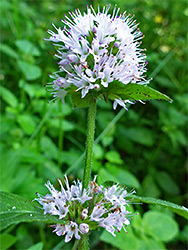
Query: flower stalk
<point x="89" y="142"/>
<point x="83" y="243"/>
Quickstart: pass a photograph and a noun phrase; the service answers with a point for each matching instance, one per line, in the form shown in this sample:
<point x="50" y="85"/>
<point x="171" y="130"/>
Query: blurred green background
<point x="144" y="148"/>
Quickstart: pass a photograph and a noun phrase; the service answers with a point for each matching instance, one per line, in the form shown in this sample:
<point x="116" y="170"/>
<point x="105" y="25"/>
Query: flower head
<point x="80" y="210"/>
<point x="96" y="49"/>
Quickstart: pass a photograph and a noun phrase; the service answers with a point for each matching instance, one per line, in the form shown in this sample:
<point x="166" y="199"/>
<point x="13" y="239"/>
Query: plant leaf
<point x="160" y="226"/>
<point x="133" y="91"/>
<point x="116" y="89"/>
<point x="8" y="97"/>
<point x="181" y="210"/>
<point x="15" y="209"/>
<point x="30" y="71"/>
<point x="7" y="240"/>
<point x="79" y="102"/>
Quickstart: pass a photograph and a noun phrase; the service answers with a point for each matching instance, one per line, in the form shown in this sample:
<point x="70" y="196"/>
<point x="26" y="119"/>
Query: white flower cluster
<point x="94" y="50"/>
<point x="82" y="210"/>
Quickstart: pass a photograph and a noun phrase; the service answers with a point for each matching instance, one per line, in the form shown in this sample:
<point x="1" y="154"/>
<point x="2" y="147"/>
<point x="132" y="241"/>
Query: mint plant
<point x="100" y="58"/>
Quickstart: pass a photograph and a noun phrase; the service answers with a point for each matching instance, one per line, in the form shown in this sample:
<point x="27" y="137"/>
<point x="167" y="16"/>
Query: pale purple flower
<point x="80" y="210"/>
<point x="97" y="213"/>
<point x="70" y="230"/>
<point x="59" y="229"/>
<point x="84" y="214"/>
<point x="96" y="48"/>
<point x="84" y="228"/>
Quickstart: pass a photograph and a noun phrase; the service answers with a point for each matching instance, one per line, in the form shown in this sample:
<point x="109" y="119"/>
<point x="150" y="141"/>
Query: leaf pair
<point x="116" y="90"/>
<point x="15" y="209"/>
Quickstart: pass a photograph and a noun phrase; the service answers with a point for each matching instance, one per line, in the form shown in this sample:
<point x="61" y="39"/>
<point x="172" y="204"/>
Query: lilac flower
<point x="80" y="210"/>
<point x="95" y="49"/>
<point x="84" y="228"/>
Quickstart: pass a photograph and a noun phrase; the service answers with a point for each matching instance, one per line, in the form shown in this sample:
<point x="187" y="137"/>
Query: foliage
<point x="145" y="149"/>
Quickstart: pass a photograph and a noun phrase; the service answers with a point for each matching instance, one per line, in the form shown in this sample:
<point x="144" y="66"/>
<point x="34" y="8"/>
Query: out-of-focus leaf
<point x="122" y="240"/>
<point x="48" y="147"/>
<point x="98" y="151"/>
<point x="27" y="47"/>
<point x="104" y="175"/>
<point x="30" y="71"/>
<point x="15" y="209"/>
<point x="26" y="123"/>
<point x="166" y="182"/>
<point x="184" y="234"/>
<point x="113" y="157"/>
<point x="8" y="97"/>
<point x="123" y="176"/>
<point x="160" y="226"/>
<point x="6" y="241"/>
<point x="28" y="156"/>
<point x="165" y="82"/>
<point x="140" y="135"/>
<point x="151" y="244"/>
<point x="50" y="171"/>
<point x="117" y="174"/>
<point x="37" y="246"/>
<point x="8" y="51"/>
<point x="181" y="210"/>
<point x="149" y="187"/>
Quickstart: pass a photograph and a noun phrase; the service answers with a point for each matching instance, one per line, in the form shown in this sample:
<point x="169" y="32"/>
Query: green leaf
<point x="166" y="182"/>
<point x="149" y="187"/>
<point x="140" y="135"/>
<point x="15" y="209"/>
<point x="104" y="175"/>
<point x="149" y="243"/>
<point x="27" y="47"/>
<point x="116" y="89"/>
<point x="122" y="240"/>
<point x="181" y="210"/>
<point x="49" y="147"/>
<point x="79" y="102"/>
<point x="26" y="123"/>
<point x="7" y="240"/>
<point x="113" y="157"/>
<point x="160" y="226"/>
<point x="37" y="246"/>
<point x="8" y="51"/>
<point x="30" y="71"/>
<point x="122" y="176"/>
<point x="8" y="97"/>
<point x="133" y="91"/>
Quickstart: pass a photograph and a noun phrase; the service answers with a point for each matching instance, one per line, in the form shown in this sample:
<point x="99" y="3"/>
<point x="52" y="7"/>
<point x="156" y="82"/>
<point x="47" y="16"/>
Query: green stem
<point x="75" y="245"/>
<point x="60" y="142"/>
<point x="83" y="243"/>
<point x="89" y="142"/>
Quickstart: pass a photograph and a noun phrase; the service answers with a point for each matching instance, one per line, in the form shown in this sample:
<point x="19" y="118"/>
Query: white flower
<point x="96" y="48"/>
<point x="71" y="229"/>
<point x="97" y="212"/>
<point x="80" y="210"/>
<point x="84" y="214"/>
<point x="115" y="221"/>
<point x="108" y="224"/>
<point x="59" y="229"/>
<point x="84" y="228"/>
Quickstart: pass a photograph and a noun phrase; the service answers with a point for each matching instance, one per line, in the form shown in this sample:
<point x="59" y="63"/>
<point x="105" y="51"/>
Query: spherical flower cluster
<point x="95" y="49"/>
<point x="80" y="210"/>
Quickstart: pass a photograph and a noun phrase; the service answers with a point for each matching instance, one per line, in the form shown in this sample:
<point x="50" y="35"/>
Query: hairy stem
<point x="89" y="142"/>
<point x="83" y="243"/>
